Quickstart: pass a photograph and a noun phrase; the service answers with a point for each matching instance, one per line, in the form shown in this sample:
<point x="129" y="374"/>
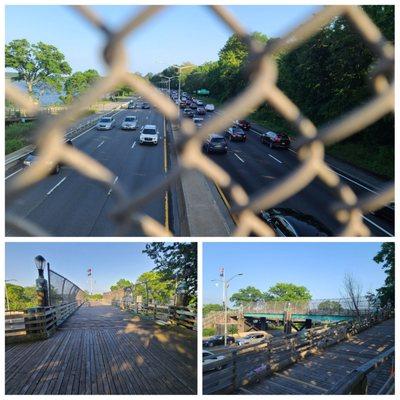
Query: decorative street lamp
<point x="41" y="283"/>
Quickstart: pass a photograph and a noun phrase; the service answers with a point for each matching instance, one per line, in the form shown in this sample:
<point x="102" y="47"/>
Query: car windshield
<point x="105" y="120"/>
<point x="130" y="119"/>
<point x="149" y="132"/>
<point x="237" y="130"/>
<point x="218" y="140"/>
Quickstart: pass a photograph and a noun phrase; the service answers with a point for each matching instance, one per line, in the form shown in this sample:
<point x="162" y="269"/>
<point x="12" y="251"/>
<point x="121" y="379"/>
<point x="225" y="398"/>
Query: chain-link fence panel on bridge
<point x="346" y="207"/>
<point x="63" y="291"/>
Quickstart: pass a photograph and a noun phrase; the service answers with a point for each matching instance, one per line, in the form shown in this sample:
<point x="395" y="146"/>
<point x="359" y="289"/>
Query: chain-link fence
<point x="346" y="207"/>
<point x="62" y="290"/>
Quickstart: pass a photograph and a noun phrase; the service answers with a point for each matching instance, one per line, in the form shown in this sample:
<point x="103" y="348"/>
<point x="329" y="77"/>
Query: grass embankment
<point x="378" y="160"/>
<point x="18" y="135"/>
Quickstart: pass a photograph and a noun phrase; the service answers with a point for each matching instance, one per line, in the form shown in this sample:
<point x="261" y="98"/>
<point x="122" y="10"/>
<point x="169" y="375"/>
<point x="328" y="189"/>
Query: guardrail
<point x="246" y="364"/>
<point x="36" y="323"/>
<point x="182" y="316"/>
<point x="357" y="381"/>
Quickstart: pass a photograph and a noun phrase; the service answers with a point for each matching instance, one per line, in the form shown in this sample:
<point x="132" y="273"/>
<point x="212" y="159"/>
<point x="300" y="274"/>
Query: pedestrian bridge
<point x="101" y="349"/>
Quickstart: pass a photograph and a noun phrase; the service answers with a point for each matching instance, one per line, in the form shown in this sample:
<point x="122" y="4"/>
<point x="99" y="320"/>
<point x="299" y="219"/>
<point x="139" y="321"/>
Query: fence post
<point x="155" y="311"/>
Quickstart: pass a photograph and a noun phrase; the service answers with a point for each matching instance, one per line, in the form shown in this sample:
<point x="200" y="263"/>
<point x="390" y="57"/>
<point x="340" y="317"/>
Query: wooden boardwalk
<point x="102" y="350"/>
<point x="319" y="373"/>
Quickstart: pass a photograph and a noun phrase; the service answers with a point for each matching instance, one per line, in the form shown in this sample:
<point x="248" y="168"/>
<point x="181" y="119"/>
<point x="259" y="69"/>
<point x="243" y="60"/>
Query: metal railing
<point x="62" y="290"/>
<point x="346" y="207"/>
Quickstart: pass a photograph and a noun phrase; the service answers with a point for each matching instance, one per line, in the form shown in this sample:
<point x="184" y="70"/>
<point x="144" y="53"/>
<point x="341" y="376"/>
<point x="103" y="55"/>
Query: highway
<point x="68" y="204"/>
<point x="254" y="166"/>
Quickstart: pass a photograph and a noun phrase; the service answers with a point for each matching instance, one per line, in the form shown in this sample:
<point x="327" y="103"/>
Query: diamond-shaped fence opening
<point x="347" y="208"/>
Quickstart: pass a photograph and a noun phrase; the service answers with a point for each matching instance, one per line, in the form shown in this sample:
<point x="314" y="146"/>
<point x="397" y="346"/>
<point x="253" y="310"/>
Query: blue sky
<point x="109" y="261"/>
<point x="175" y="35"/>
<point x="318" y="266"/>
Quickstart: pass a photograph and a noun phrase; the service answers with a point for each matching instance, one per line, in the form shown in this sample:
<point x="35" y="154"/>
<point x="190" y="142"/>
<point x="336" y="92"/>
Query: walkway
<point x="102" y="350"/>
<point x="318" y="374"/>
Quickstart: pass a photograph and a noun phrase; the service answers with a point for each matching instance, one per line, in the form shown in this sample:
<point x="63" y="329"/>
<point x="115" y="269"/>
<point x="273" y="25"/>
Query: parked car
<point x="289" y="222"/>
<point x="148" y="134"/>
<point x="236" y="133"/>
<point x="218" y="340"/>
<point x="187" y="112"/>
<point x="215" y="144"/>
<point x="34" y="156"/>
<point x="145" y="106"/>
<point x="201" y="110"/>
<point x="129" y="122"/>
<point x="131" y="105"/>
<point x="273" y="139"/>
<point x="251" y="338"/>
<point x="245" y="125"/>
<point x="198" y="122"/>
<point x="209" y="357"/>
<point x="210" y="107"/>
<point x="105" y="124"/>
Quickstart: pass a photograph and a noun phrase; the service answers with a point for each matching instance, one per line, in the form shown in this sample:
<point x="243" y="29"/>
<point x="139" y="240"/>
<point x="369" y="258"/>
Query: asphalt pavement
<point x="68" y="204"/>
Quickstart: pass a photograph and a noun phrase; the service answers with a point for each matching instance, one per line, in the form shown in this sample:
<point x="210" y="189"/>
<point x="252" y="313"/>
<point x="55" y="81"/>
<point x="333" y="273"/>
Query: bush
<point x="209" y="331"/>
<point x="18" y="135"/>
<point x="232" y="329"/>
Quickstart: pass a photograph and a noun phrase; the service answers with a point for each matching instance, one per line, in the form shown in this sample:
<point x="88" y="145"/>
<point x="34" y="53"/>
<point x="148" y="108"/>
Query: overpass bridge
<point x="78" y="347"/>
<point x="354" y="356"/>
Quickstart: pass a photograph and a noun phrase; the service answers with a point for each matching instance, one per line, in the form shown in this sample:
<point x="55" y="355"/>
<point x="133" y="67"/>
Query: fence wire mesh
<point x="346" y="207"/>
<point x="62" y="290"/>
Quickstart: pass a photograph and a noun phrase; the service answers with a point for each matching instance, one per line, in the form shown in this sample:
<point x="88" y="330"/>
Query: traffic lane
<point x="80" y="199"/>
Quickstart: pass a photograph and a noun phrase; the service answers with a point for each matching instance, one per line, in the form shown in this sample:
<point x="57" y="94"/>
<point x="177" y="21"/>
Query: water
<point x="48" y="98"/>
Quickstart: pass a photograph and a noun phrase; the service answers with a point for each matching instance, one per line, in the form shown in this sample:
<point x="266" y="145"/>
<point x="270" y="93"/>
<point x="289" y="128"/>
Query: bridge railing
<point x="36" y="323"/>
<point x="182" y="316"/>
<point x="357" y="381"/>
<point x="245" y="364"/>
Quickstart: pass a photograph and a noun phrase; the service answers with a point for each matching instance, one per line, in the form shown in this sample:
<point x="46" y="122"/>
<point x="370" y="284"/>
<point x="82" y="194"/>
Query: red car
<point x="245" y="125"/>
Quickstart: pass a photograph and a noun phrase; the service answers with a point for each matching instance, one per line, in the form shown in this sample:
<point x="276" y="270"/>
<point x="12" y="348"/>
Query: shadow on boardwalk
<point x="102" y="350"/>
<point x="319" y="373"/>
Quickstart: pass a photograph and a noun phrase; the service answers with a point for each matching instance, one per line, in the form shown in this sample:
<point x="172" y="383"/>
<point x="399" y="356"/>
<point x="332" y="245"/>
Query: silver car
<point x="130" y="122"/>
<point x="105" y="124"/>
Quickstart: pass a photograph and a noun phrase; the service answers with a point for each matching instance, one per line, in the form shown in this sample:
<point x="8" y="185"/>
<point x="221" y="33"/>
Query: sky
<point x="175" y="35"/>
<point x="320" y="267"/>
<point x="109" y="262"/>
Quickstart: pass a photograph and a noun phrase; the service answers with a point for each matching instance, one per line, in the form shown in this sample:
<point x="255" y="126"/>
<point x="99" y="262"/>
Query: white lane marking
<point x="133" y="145"/>
<point x="115" y="180"/>
<point x="238" y="157"/>
<point x="295" y="152"/>
<point x="359" y="184"/>
<point x="16" y="172"/>
<point x="101" y="144"/>
<point x="56" y="186"/>
<point x="279" y="161"/>
<point x="377" y="226"/>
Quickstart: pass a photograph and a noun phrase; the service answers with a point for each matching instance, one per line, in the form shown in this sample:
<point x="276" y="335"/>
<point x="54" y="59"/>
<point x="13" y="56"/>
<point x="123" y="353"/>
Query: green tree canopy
<point x="250" y="294"/>
<point x="20" y="297"/>
<point x="207" y="308"/>
<point x="78" y="83"/>
<point x="386" y="257"/>
<point x="121" y="284"/>
<point x="38" y="65"/>
<point x="161" y="290"/>
<point x="289" y="292"/>
<point x="330" y="305"/>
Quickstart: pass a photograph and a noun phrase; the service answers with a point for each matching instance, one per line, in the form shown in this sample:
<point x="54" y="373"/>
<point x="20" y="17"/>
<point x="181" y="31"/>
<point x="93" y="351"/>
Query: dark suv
<point x="273" y="139"/>
<point x="245" y="125"/>
<point x="215" y="144"/>
<point x="218" y="340"/>
<point x="145" y="106"/>
<point x="236" y="133"/>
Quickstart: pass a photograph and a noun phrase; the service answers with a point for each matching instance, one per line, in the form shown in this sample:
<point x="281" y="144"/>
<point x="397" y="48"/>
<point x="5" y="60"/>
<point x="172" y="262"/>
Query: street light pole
<point x="180" y="68"/>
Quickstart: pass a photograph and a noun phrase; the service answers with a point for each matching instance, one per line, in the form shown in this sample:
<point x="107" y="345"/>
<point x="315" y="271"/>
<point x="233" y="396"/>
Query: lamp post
<point x="225" y="285"/>
<point x="169" y="78"/>
<point x="180" y="68"/>
<point x="41" y="283"/>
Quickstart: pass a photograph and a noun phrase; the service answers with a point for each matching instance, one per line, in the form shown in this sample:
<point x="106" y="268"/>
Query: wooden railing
<point x="357" y="381"/>
<point x="36" y="323"/>
<point x="182" y="316"/>
<point x="246" y="364"/>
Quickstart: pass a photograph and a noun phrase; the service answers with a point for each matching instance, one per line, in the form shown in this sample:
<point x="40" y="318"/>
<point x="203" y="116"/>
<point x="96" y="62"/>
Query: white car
<point x="105" y="124"/>
<point x="198" y="122"/>
<point x="209" y="107"/>
<point x="148" y="134"/>
<point x="209" y="357"/>
<point x="130" y="122"/>
<point x="199" y="103"/>
<point x="255" y="337"/>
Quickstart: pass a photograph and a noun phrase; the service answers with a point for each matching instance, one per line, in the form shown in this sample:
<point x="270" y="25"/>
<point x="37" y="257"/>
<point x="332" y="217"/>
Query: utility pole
<point x="180" y="68"/>
<point x="90" y="277"/>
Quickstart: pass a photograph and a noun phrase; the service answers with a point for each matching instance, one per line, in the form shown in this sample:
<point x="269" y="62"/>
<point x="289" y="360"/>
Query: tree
<point x="386" y="257"/>
<point x="78" y="83"/>
<point x="176" y="261"/>
<point x="121" y="284"/>
<point x="38" y="65"/>
<point x="161" y="290"/>
<point x="250" y="294"/>
<point x="207" y="308"/>
<point x="353" y="293"/>
<point x="330" y="306"/>
<point x="289" y="292"/>
<point x="20" y="297"/>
